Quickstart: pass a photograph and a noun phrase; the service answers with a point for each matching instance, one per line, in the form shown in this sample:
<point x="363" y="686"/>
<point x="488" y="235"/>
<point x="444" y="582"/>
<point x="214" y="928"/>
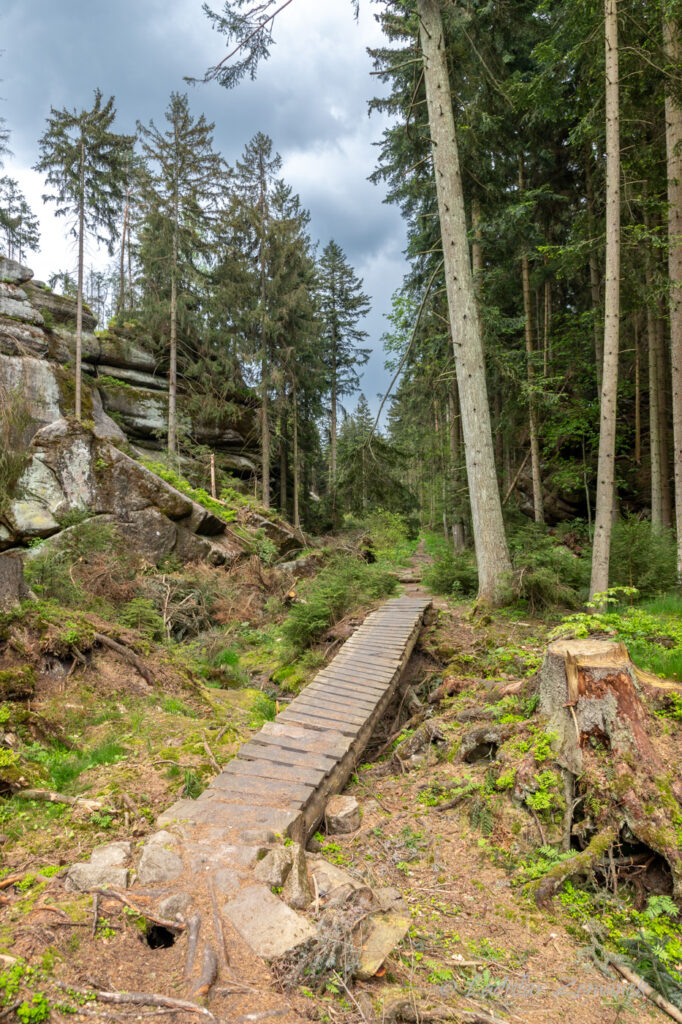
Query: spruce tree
<point x="255" y="176"/>
<point x="83" y="161"/>
<point x="181" y="186"/>
<point x="343" y="304"/>
<point x="18" y="223"/>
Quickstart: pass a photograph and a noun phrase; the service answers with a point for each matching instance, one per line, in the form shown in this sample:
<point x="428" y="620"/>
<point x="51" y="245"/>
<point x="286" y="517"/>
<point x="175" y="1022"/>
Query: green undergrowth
<point x="652" y="629"/>
<point x="346" y="583"/>
<point x="197" y="494"/>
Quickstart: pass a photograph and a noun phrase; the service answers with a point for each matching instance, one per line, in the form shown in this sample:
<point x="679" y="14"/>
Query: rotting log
<point x="596" y="704"/>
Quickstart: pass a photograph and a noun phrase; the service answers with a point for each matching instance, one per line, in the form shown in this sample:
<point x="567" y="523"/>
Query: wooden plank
<point x="339" y="694"/>
<point x="313" y="721"/>
<point x="253" y="784"/>
<point x="257" y="752"/>
<point x="343" y="675"/>
<point x="333" y="749"/>
<point x="332" y="714"/>
<point x="275" y="772"/>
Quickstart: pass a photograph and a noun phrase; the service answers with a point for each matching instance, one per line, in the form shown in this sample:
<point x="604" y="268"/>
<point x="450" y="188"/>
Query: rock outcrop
<point x="71" y="468"/>
<point x="124" y="392"/>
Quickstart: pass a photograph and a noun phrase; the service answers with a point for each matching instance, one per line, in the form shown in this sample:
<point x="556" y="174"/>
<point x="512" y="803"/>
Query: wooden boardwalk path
<point x="281" y="778"/>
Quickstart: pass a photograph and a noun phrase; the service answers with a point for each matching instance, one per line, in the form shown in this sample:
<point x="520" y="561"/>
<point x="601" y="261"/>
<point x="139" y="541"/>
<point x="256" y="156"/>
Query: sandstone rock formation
<point x="123" y="388"/>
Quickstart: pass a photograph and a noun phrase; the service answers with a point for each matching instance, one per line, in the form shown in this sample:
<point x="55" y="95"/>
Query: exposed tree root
<point x="648" y="991"/>
<point x="127" y="655"/>
<point x="580" y="864"/>
<point x="193" y="927"/>
<point x="172" y="926"/>
<point x="142" y="999"/>
<point x="209" y="973"/>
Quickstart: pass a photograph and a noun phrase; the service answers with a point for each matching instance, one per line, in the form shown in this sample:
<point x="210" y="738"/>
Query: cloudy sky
<point x="310" y="97"/>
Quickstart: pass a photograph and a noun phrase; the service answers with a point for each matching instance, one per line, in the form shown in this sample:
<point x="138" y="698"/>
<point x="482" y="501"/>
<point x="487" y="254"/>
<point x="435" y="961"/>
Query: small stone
<point x="175" y="906"/>
<point x="267" y="925"/>
<point x="376" y="938"/>
<point x="274" y="868"/>
<point x="329" y="876"/>
<point x="81" y="877"/>
<point x="162" y="838"/>
<point x="158" y="865"/>
<point x="229" y="881"/>
<point x="296" y="889"/>
<point x="389" y="898"/>
<point x="112" y="855"/>
<point x="342" y="815"/>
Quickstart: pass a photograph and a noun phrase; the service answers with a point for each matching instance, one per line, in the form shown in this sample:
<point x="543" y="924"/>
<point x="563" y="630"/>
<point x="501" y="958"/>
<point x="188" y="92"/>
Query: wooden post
<point x="213" y="490"/>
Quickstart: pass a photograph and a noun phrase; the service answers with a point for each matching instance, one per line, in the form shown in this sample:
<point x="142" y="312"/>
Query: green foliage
<point x="263" y="709"/>
<point x="192" y="786"/>
<point x="141" y="614"/>
<point x="48" y="572"/>
<point x="197" y="494"/>
<point x="642" y="556"/>
<point x="14" y="422"/>
<point x="63" y="767"/>
<point x="546" y="574"/>
<point x="343" y="584"/>
<point x="174" y="706"/>
<point x="654" y="639"/>
<point x="454" y="574"/>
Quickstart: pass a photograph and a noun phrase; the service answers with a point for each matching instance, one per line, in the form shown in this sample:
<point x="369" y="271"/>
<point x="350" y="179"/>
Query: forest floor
<point x="479" y="948"/>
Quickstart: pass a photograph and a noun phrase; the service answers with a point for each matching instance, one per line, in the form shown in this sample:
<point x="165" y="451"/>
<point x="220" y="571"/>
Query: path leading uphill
<point x="202" y="875"/>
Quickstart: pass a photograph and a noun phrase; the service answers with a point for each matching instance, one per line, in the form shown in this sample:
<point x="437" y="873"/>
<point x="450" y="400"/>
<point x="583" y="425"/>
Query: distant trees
<point x="342" y="305"/>
<point x="84" y="162"/>
<point x="18" y="224"/>
<point x="181" y="184"/>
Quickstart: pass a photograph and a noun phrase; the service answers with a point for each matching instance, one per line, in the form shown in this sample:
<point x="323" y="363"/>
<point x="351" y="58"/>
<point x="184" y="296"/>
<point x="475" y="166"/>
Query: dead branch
<point x="174" y="926"/>
<point x="141" y="999"/>
<point x="209" y="973"/>
<point x="210" y="754"/>
<point x="95" y="912"/>
<point x="127" y="655"/>
<point x="648" y="991"/>
<point x="46" y="795"/>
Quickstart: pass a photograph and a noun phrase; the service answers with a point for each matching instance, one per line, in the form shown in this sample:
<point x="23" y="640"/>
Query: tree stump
<point x="596" y="704"/>
<point x="13" y="587"/>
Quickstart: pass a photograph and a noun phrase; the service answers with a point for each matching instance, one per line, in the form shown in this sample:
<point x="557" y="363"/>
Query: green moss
<point x="17" y="682"/>
<point x="197" y="494"/>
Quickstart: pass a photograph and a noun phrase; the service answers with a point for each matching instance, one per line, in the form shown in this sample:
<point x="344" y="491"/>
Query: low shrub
<point x="141" y="614"/>
<point x="642" y="556"/>
<point x="344" y="584"/>
<point x="546" y="573"/>
<point x="452" y="573"/>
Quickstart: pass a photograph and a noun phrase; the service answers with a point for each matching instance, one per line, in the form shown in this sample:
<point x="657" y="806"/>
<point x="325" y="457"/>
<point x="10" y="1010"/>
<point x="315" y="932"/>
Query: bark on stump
<point x="13" y="587"/>
<point x="593" y="697"/>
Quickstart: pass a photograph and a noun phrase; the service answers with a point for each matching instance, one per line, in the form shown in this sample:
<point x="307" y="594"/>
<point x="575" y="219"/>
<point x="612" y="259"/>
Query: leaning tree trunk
<point x="492" y="554"/>
<point x="596" y="703"/>
<point x="609" y="393"/>
<point x="672" y="39"/>
<point x="79" y="301"/>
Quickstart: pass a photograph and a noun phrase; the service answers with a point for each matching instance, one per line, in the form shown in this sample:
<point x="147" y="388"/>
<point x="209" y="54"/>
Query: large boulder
<point x="15" y="305"/>
<point x="71" y="468"/>
<point x="12" y="272"/>
<point x="60" y="309"/>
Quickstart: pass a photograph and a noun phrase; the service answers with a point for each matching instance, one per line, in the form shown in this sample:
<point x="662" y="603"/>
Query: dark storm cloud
<point x="311" y="98"/>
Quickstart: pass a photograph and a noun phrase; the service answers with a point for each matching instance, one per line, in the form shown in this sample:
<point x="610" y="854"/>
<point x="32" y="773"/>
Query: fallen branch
<point x="140" y="999"/>
<point x="127" y="655"/>
<point x="95" y="913"/>
<point x="46" y="795"/>
<point x="209" y="973"/>
<point x="211" y="755"/>
<point x="415" y="720"/>
<point x="174" y="926"/>
<point x="10" y="880"/>
<point x="647" y="990"/>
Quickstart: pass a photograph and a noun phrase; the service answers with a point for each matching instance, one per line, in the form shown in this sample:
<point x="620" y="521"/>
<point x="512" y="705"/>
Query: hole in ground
<point x="158" y="937"/>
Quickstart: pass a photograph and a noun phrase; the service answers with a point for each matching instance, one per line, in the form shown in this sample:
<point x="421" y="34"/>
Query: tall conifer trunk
<point x="609" y="393"/>
<point x="297" y="521"/>
<point x="538" y="505"/>
<point x="672" y="41"/>
<point x="489" y="537"/>
<point x="654" y="414"/>
<point x="79" y="301"/>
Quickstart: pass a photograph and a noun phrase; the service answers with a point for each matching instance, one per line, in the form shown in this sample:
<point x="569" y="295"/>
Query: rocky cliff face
<point x="123" y="393"/>
<point x="72" y="469"/>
